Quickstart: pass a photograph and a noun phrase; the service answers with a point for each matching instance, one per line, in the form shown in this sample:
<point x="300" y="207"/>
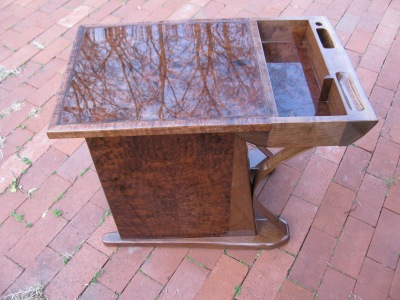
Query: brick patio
<point x="343" y="204"/>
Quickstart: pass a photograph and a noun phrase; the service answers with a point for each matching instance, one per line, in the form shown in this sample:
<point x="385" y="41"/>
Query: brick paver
<point x="227" y="275"/>
<point x="369" y="200"/>
<point x="352" y="168"/>
<point x="43" y="198"/>
<point x="76" y="163"/>
<point x="392" y="127"/>
<point x="247" y="256"/>
<point x="336" y="285"/>
<point x="342" y="203"/>
<point x="47" y="264"/>
<point x="332" y="153"/>
<point x="186" y="282"/>
<point x="98" y="291"/>
<point x="10" y="203"/>
<point x="74" y="199"/>
<point x="334" y="209"/>
<point x="292" y="291"/>
<point x="78" y="229"/>
<point x="374" y="280"/>
<point x="352" y="247"/>
<point x="381" y="99"/>
<point x="78" y="273"/>
<point x="95" y="239"/>
<point x="206" y="257"/>
<point x="11" y="269"/>
<point x="36" y="239"/>
<point x="312" y="261"/>
<point x="318" y="174"/>
<point x="385" y="158"/>
<point x="300" y="213"/>
<point x="393" y="194"/>
<point x="11" y="232"/>
<point x="46" y="91"/>
<point x="385" y="243"/>
<point x="122" y="266"/>
<point x="163" y="262"/>
<point x="395" y="288"/>
<point x="266" y="277"/>
<point x="278" y="189"/>
<point x="42" y="169"/>
<point x="141" y="287"/>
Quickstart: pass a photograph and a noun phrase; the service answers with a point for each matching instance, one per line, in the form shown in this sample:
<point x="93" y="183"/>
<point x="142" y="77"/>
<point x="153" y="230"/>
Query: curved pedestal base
<point x="264" y="168"/>
<point x="268" y="237"/>
<point x="272" y="232"/>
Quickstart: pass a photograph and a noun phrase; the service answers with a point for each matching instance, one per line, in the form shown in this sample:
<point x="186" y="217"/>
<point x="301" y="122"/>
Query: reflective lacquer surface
<point x="293" y="80"/>
<point x="164" y="72"/>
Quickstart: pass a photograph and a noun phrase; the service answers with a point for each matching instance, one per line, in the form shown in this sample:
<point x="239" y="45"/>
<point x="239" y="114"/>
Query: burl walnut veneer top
<point x="164" y="72"/>
<point x="175" y="74"/>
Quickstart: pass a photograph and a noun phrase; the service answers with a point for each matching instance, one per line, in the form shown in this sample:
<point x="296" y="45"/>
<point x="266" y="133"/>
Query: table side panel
<point x="242" y="214"/>
<point x="313" y="134"/>
<point x="167" y="186"/>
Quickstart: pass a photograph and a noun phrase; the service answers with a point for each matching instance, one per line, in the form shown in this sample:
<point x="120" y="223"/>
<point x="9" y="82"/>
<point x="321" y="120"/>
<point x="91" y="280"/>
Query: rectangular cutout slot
<point x="349" y="91"/>
<point x="325" y="38"/>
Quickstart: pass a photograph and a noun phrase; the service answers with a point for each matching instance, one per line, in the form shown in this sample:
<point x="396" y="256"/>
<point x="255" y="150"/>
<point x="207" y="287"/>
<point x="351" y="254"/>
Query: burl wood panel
<point x="174" y="186"/>
<point x="164" y="72"/>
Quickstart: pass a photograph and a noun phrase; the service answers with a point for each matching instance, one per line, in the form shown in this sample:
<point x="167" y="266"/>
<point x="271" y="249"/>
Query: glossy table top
<point x="182" y="71"/>
<point x="209" y="76"/>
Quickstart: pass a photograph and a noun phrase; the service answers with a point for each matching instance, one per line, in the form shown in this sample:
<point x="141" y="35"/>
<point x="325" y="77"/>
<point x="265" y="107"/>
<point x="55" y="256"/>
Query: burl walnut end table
<point x="167" y="110"/>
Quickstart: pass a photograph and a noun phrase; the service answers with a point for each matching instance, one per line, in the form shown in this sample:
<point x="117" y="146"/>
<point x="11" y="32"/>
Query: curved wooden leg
<point x="259" y="172"/>
<point x="264" y="168"/>
<point x="270" y="163"/>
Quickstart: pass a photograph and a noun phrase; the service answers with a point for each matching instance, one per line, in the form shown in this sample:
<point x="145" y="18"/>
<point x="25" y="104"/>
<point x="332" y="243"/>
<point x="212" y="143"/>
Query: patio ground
<point x="343" y="204"/>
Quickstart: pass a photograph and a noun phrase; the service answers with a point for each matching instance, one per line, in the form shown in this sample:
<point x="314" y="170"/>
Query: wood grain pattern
<point x="315" y="52"/>
<point x="265" y="78"/>
<point x="283" y="30"/>
<point x="336" y="106"/>
<point x="294" y="134"/>
<point x="242" y="215"/>
<point x="169" y="186"/>
<point x="255" y="138"/>
<point x="317" y="130"/>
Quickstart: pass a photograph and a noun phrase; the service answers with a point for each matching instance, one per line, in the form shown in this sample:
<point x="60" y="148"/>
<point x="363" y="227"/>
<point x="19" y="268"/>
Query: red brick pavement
<point x="343" y="203"/>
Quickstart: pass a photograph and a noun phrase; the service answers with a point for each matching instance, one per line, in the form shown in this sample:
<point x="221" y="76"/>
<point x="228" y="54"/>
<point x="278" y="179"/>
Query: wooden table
<point x="167" y="110"/>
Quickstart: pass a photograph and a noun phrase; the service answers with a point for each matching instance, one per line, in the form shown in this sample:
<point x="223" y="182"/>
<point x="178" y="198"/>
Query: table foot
<point x="268" y="237"/>
<point x="264" y="168"/>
